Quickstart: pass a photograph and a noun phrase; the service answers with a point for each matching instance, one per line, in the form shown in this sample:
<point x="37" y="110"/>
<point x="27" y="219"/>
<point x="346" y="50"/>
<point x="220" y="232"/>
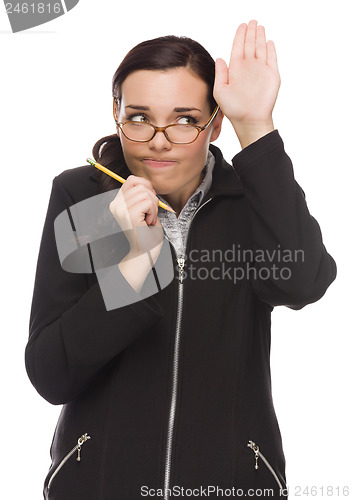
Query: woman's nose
<point x="160" y="141"/>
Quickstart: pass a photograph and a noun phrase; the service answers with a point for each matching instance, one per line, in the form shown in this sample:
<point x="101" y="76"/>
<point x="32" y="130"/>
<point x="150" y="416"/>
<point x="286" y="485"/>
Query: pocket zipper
<point x="259" y="454"/>
<point x="77" y="448"/>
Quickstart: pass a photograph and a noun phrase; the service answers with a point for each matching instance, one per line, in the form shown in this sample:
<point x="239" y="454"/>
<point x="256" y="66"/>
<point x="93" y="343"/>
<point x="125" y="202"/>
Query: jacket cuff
<point x="255" y="150"/>
<point x="125" y="298"/>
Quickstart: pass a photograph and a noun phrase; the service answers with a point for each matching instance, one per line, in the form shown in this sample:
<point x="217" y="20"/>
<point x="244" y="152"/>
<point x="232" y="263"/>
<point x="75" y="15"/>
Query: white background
<point x="56" y="103"/>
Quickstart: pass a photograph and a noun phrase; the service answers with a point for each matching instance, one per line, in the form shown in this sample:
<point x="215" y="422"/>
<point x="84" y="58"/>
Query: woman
<point x="170" y="391"/>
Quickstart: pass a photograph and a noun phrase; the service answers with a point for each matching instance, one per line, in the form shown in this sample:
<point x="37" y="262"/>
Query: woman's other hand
<point x="135" y="208"/>
<point x="247" y="91"/>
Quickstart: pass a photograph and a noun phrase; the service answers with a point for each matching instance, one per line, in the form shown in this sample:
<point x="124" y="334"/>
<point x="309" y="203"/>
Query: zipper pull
<point x="81" y="440"/>
<point x="256" y="450"/>
<point x="181" y="262"/>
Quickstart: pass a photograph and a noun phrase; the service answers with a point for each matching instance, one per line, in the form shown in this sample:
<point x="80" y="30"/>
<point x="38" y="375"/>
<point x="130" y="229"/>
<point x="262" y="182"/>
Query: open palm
<point x="247" y="90"/>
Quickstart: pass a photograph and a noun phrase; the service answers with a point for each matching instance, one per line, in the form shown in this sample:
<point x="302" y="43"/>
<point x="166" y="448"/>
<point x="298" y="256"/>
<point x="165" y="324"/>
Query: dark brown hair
<point x="160" y="53"/>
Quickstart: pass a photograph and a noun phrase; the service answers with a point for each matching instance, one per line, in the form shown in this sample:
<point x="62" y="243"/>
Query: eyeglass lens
<point x="143" y="132"/>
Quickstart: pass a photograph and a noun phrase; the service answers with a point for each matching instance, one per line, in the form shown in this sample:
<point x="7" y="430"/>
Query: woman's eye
<point x="187" y="120"/>
<point x="138" y="118"/>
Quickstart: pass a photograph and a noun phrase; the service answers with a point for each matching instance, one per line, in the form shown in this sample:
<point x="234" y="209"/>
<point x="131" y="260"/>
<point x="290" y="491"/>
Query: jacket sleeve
<point x="71" y="334"/>
<point x="286" y="239"/>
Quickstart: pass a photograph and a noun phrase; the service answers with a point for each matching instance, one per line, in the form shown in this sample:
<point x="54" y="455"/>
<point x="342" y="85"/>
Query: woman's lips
<point x="158" y="163"/>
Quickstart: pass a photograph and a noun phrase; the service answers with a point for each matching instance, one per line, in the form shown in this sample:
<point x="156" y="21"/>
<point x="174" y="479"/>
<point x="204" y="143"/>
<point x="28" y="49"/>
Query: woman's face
<point x="158" y="97"/>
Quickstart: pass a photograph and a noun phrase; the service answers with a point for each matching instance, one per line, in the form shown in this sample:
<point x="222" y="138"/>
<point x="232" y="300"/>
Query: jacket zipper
<point x="259" y="454"/>
<point x="181" y="264"/>
<point x="77" y="448"/>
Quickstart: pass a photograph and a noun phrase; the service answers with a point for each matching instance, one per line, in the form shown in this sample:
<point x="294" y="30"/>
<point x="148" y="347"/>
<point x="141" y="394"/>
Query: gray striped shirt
<point x="176" y="228"/>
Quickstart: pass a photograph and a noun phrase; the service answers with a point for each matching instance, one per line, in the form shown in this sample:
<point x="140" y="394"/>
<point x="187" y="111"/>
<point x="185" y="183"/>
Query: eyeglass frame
<point x="163" y="129"/>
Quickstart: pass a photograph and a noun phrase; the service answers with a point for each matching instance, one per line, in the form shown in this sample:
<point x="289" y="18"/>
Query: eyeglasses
<point x="174" y="133"/>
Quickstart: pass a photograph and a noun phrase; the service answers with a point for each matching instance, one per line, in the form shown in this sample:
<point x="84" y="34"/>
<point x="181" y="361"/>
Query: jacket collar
<point x="225" y="180"/>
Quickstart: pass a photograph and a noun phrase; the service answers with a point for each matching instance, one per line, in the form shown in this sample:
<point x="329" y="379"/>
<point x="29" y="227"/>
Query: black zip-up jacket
<point x="171" y="389"/>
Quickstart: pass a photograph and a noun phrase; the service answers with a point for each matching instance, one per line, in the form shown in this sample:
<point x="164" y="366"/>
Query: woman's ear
<point x="115" y="114"/>
<point x="217" y="126"/>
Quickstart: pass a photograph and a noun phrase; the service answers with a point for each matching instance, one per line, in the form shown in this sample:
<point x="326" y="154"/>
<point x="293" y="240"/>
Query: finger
<point x="221" y="75"/>
<point x="272" y="60"/>
<point x="238" y="43"/>
<point x="250" y="40"/>
<point x="138" y="194"/>
<point x="133" y="180"/>
<point x="261" y="49"/>
<point x="156" y="200"/>
<point x="140" y="207"/>
<point x="147" y="211"/>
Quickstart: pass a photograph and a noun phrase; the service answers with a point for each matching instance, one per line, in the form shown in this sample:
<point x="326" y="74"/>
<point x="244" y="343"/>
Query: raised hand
<point x="247" y="90"/>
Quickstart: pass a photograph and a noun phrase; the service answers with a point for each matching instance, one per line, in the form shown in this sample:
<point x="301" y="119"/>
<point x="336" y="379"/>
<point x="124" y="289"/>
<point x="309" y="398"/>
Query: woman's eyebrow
<point x="182" y="110"/>
<point x="146" y="108"/>
<point x="142" y="108"/>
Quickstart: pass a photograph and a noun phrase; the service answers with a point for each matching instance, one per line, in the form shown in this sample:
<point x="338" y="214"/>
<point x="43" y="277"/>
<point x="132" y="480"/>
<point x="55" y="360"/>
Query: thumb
<point x="221" y="75"/>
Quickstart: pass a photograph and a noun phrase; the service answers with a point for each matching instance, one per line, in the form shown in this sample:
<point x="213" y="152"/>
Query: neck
<point x="178" y="199"/>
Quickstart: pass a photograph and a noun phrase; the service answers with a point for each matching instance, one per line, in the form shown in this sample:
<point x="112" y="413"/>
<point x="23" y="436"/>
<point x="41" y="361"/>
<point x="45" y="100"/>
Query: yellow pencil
<point x="120" y="179"/>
